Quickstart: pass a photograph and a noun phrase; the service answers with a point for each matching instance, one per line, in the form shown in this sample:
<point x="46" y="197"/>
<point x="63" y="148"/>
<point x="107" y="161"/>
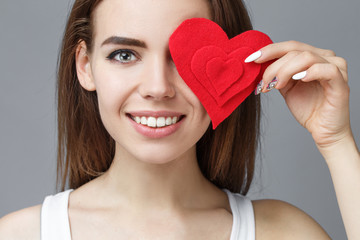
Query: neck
<point x="147" y="186"/>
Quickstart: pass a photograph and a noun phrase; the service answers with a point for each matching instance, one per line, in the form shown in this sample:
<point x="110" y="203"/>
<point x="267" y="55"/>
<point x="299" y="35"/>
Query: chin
<point x="157" y="152"/>
<point x="159" y="156"/>
<point x="157" y="161"/>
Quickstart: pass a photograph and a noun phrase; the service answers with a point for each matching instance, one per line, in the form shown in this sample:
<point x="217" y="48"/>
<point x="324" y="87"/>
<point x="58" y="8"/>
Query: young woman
<point x="137" y="147"/>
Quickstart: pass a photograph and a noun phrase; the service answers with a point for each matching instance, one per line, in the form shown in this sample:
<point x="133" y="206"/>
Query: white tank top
<point x="55" y="219"/>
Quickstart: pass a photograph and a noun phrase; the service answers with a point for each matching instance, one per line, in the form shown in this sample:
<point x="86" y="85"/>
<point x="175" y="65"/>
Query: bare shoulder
<point x="21" y="225"/>
<point x="276" y="219"/>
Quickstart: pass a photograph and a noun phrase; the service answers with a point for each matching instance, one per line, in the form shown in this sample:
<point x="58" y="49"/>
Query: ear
<point x="83" y="67"/>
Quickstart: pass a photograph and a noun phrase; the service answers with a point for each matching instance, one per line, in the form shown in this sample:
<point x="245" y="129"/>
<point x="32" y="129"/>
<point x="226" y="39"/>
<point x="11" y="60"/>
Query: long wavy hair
<point x="226" y="155"/>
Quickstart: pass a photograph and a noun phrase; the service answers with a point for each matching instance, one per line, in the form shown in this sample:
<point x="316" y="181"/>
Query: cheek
<point x="112" y="92"/>
<point x="111" y="100"/>
<point x="113" y="84"/>
<point x="190" y="97"/>
<point x="202" y="117"/>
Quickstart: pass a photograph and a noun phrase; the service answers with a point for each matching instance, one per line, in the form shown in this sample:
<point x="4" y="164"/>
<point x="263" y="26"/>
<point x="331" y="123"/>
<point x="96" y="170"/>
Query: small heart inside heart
<point x="223" y="74"/>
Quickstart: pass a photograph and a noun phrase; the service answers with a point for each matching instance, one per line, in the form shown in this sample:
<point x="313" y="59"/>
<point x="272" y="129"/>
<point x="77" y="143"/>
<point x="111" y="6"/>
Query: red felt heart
<point x="217" y="68"/>
<point x="220" y="94"/>
<point x="213" y="66"/>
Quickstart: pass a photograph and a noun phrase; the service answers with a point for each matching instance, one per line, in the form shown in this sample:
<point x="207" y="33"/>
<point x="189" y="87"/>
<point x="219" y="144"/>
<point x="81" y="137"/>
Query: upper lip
<point x="156" y="114"/>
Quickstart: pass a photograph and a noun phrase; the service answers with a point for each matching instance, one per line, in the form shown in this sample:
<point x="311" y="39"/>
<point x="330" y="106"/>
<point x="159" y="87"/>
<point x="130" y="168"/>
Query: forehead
<point x="144" y="18"/>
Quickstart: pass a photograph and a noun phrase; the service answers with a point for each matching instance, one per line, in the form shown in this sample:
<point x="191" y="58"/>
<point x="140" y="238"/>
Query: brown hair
<point x="226" y="155"/>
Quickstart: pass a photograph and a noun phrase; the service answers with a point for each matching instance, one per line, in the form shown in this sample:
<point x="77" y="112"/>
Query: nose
<point x="157" y="81"/>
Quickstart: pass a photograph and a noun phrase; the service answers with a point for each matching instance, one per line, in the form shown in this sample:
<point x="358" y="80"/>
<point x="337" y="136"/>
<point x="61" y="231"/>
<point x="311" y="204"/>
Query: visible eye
<point x="123" y="56"/>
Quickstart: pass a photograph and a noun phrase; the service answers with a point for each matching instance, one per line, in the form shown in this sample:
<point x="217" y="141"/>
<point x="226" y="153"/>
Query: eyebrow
<point x="116" y="40"/>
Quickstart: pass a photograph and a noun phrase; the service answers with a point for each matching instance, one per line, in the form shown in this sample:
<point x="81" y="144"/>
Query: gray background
<point x="291" y="169"/>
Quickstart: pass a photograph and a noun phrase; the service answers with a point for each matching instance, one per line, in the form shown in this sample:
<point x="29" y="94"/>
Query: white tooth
<point x="174" y="120"/>
<point x="137" y="119"/>
<point x="168" y="121"/>
<point x="160" y="122"/>
<point x="143" y="121"/>
<point x="151" y="122"/>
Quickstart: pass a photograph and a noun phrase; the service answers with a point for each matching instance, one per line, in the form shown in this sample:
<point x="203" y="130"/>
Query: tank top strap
<point x="243" y="217"/>
<point x="55" y="218"/>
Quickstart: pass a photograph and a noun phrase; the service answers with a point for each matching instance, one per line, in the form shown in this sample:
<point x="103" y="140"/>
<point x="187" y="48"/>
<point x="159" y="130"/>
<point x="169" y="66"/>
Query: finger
<point x="330" y="77"/>
<point x="277" y="50"/>
<point x="294" y="62"/>
<point x="341" y="64"/>
<point x="298" y="63"/>
<point x="272" y="70"/>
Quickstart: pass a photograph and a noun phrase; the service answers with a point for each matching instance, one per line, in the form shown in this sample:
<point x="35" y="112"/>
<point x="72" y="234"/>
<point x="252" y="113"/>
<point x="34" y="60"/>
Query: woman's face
<point x="144" y="103"/>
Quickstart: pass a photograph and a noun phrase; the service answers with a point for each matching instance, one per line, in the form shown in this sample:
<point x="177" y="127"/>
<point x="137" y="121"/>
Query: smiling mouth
<point x="156" y="122"/>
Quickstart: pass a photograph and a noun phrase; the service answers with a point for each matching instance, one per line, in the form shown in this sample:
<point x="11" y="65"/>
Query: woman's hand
<point x="320" y="99"/>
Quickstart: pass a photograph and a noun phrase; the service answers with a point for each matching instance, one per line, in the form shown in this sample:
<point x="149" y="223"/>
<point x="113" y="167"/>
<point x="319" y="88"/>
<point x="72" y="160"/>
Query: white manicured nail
<point x="299" y="75"/>
<point x="253" y="57"/>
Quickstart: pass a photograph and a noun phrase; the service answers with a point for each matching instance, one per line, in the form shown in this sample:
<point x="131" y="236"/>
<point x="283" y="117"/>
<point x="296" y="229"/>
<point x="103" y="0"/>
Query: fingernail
<point x="272" y="84"/>
<point x="299" y="75"/>
<point x="253" y="57"/>
<point x="259" y="88"/>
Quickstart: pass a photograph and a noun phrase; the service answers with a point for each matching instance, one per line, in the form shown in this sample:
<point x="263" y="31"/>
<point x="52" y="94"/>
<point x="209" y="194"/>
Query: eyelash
<point x="113" y="55"/>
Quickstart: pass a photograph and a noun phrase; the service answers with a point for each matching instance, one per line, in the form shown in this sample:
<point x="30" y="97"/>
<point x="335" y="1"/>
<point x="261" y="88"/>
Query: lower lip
<point x="156" y="132"/>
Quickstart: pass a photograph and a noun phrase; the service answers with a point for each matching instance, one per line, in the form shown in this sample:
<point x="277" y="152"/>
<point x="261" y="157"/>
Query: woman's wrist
<point x="343" y="160"/>
<point x="343" y="151"/>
